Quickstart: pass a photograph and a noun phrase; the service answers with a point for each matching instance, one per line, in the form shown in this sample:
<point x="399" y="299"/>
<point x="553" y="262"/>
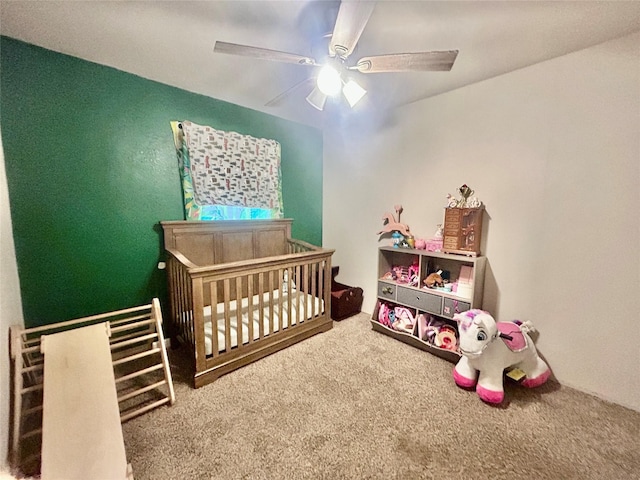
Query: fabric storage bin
<point x="451" y="307"/>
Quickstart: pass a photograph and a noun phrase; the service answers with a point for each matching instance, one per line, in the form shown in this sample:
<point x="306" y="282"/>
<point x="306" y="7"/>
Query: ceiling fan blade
<point x="262" y="53"/>
<point x="352" y="18"/>
<point x="408" y="62"/>
<point x="274" y="102"/>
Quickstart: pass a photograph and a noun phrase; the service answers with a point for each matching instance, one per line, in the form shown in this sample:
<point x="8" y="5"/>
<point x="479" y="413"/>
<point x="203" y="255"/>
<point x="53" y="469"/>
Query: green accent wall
<point x="91" y="170"/>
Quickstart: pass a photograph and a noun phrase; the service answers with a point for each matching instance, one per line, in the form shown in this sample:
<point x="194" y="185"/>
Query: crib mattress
<point x="297" y="299"/>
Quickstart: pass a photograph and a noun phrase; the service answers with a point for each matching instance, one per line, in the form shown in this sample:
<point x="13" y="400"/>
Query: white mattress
<point x="297" y="311"/>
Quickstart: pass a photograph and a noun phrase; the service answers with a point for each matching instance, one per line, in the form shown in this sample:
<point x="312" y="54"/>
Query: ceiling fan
<point x="335" y="73"/>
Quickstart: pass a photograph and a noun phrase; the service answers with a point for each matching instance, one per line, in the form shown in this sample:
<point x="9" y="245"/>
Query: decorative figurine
<point x="397" y="238"/>
<point x="467" y="199"/>
<point x="465" y="192"/>
<point x="391" y="225"/>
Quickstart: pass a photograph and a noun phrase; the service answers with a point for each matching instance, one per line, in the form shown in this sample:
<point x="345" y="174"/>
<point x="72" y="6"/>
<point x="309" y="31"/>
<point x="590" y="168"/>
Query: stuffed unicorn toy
<point x="488" y="347"/>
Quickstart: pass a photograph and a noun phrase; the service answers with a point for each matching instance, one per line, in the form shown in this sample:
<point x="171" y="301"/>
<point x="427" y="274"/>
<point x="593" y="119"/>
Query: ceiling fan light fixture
<point x="353" y="92"/>
<point x="329" y="81"/>
<point x="317" y="99"/>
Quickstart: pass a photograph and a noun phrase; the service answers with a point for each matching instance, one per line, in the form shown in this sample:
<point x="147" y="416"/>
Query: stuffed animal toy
<point x="433" y="280"/>
<point x="488" y="347"/>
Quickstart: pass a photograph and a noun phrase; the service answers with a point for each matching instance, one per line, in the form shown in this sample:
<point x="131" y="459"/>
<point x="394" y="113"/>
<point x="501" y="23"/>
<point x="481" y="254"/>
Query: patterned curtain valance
<point x="227" y="169"/>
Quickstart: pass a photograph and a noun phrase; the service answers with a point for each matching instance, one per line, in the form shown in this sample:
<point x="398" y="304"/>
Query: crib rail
<point x="140" y="363"/>
<point x="288" y="296"/>
<point x="298" y="246"/>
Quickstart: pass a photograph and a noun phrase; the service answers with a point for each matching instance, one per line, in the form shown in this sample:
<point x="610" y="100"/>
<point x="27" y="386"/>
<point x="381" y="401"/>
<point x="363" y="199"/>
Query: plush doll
<point x="433" y="280"/>
<point x="488" y="347"/>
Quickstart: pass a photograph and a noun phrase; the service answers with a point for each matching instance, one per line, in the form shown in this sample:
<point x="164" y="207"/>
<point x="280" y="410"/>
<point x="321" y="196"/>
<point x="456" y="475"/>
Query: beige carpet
<point x="355" y="404"/>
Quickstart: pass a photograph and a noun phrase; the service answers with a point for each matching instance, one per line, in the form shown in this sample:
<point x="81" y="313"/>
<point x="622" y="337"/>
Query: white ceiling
<point x="172" y="42"/>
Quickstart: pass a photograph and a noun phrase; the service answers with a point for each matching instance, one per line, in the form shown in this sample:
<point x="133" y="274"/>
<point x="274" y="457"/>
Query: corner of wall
<point x="10" y="307"/>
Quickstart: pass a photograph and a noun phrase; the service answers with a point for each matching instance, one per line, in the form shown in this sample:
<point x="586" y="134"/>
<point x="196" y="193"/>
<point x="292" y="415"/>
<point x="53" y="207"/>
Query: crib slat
<point x="290" y="285"/>
<point x="215" y="349"/>
<point x="240" y="336"/>
<point x="250" y="307"/>
<point x="261" y="305"/>
<point x="315" y="290"/>
<point x="279" y="279"/>
<point x="227" y="316"/>
<point x="271" y="309"/>
<point x="305" y="277"/>
<point x="299" y="291"/>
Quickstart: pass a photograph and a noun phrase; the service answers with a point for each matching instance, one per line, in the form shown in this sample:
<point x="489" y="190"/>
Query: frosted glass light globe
<point x="329" y="81"/>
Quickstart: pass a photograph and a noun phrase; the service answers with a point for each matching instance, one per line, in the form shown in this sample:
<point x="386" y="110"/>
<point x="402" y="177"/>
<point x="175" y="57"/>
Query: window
<point x="227" y="175"/>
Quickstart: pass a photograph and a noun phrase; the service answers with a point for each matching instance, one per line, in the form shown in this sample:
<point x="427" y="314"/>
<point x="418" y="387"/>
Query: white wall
<point x="553" y="151"/>
<point x="10" y="307"/>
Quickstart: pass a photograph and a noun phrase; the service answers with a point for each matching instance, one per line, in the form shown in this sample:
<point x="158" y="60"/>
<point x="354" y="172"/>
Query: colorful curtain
<point x="227" y="175"/>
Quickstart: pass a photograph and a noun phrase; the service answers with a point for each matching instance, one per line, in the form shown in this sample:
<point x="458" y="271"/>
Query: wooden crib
<point x="240" y="290"/>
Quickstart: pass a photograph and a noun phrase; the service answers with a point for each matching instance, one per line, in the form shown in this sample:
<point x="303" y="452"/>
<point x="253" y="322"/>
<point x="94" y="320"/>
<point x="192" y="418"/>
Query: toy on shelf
<point x="404" y="320"/>
<point x="386" y="314"/>
<point x="435" y="243"/>
<point x="488" y="348"/>
<point x="396" y="317"/>
<point x="404" y="275"/>
<point x="437" y="332"/>
<point x="397" y="238"/>
<point x="434" y="280"/>
<point x="390" y="224"/>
